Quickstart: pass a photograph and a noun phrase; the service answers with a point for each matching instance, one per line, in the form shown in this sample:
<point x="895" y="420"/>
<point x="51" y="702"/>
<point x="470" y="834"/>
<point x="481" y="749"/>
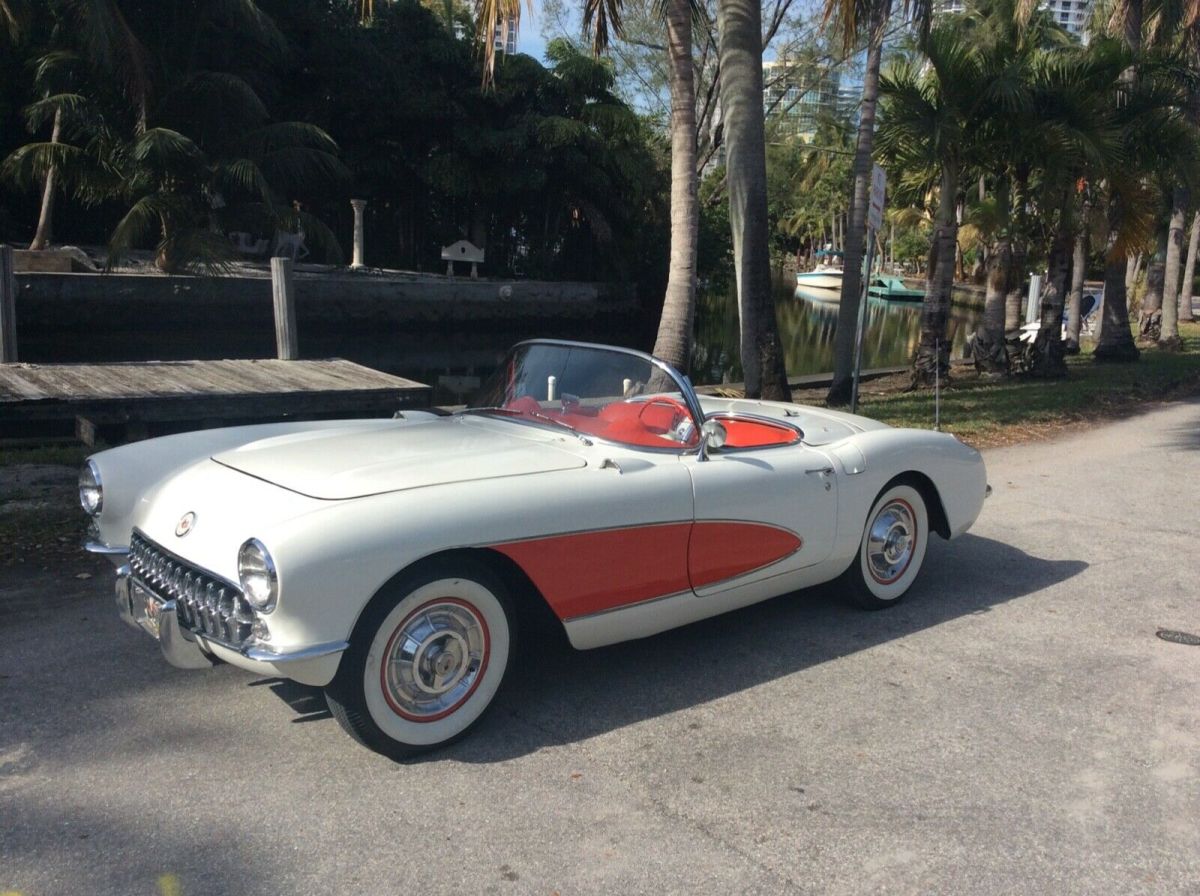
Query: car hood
<point x="355" y="461"/>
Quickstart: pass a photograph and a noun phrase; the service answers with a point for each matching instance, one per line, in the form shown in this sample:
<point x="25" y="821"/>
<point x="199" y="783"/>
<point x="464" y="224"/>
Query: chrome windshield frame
<point x="690" y="399"/>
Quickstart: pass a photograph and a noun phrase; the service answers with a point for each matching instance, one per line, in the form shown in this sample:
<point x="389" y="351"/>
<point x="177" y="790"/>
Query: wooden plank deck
<point x="227" y="391"/>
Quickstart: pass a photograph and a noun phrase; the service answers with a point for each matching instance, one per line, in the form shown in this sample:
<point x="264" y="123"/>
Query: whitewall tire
<point x="426" y="659"/>
<point x="892" y="549"/>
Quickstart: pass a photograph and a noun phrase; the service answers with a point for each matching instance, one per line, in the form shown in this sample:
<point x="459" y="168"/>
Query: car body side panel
<point x="581" y="573"/>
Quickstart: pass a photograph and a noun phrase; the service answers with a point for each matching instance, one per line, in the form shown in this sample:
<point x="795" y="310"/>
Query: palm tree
<point x="91" y="30"/>
<point x="937" y="112"/>
<point x="739" y="23"/>
<point x="673" y="343"/>
<point x="853" y="18"/>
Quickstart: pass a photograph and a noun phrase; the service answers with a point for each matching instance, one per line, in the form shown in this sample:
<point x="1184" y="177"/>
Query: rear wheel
<point x="891" y="551"/>
<point x="426" y="659"/>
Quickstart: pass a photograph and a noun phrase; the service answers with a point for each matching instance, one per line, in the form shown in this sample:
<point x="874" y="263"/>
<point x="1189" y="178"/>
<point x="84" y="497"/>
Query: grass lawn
<point x="1001" y="412"/>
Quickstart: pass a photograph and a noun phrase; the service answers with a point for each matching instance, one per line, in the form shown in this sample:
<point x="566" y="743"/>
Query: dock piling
<point x="283" y="292"/>
<point x="8" y="306"/>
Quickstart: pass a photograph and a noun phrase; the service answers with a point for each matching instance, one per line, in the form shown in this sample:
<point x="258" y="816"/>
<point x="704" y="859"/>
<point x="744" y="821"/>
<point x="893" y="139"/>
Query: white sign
<point x="878" y="192"/>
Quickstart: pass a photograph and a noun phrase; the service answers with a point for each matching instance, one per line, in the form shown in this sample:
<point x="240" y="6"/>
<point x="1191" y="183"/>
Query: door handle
<point x="823" y="471"/>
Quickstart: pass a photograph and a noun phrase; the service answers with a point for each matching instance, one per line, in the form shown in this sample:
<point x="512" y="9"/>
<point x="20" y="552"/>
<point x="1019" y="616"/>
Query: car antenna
<point x="937" y="385"/>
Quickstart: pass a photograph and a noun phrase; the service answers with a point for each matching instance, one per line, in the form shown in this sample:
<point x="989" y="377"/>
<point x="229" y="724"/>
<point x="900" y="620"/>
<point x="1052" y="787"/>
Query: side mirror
<point x="712" y="435"/>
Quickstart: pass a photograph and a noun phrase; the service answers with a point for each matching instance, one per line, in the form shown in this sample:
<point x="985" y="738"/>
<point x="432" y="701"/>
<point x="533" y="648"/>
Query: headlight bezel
<point x="255" y="565"/>
<point x="89" y="482"/>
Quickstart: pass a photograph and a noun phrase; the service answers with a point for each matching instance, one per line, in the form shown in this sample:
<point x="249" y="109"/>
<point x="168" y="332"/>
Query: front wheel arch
<point x="938" y="521"/>
<point x="529" y="603"/>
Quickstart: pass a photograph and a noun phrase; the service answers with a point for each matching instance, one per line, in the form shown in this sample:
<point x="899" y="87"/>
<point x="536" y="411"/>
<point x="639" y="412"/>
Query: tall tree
<point x="673" y="343"/>
<point x="853" y="18"/>
<point x="1116" y="341"/>
<point x="739" y="23"/>
<point x="937" y="111"/>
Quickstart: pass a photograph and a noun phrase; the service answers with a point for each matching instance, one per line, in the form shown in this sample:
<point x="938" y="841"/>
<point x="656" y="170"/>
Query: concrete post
<point x="8" y="307"/>
<point x="284" y="294"/>
<point x="359" y="205"/>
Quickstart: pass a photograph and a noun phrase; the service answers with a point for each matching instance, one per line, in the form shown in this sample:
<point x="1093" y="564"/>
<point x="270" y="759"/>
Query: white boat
<point x="821" y="277"/>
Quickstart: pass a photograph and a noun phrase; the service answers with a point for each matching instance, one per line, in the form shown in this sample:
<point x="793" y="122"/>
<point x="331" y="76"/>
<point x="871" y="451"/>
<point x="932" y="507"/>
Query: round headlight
<point x="256" y="571"/>
<point x="91" y="492"/>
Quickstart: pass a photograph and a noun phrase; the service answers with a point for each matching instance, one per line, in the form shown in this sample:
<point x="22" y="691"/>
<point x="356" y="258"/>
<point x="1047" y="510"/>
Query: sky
<point x="530" y="40"/>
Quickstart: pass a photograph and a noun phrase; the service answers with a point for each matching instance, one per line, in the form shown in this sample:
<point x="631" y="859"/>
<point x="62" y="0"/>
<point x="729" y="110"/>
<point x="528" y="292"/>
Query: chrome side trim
<point x="99" y="547"/>
<point x="263" y="655"/>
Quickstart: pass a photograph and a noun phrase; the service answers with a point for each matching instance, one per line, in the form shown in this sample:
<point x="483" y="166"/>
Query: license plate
<point x="146" y="607"/>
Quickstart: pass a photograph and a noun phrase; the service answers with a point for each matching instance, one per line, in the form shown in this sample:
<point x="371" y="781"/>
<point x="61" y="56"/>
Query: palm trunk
<point x="1075" y="298"/>
<point x="1116" y="341"/>
<point x="673" y="343"/>
<point x="1189" y="272"/>
<point x="1049" y="356"/>
<point x="1169" y="336"/>
<point x="41" y="238"/>
<point x="1150" y="313"/>
<point x="844" y="335"/>
<point x="1014" y="299"/>
<point x="987" y="345"/>
<point x="740" y="50"/>
<point x="933" y="354"/>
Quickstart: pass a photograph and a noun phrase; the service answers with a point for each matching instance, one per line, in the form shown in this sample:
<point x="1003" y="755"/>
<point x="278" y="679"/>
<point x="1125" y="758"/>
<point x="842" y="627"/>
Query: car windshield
<point x="590" y="390"/>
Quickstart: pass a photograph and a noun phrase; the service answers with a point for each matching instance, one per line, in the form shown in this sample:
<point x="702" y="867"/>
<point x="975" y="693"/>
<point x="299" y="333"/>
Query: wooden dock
<point x="138" y="398"/>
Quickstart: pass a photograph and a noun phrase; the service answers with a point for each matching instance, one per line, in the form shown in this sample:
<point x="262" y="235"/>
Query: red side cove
<point x="587" y="572"/>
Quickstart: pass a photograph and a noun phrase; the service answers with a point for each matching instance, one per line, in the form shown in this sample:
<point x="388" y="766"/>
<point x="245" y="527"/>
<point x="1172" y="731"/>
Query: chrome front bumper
<point x="186" y="650"/>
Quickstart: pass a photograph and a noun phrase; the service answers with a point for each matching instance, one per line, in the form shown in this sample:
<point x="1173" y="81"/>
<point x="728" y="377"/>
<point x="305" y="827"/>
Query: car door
<point x="760" y="513"/>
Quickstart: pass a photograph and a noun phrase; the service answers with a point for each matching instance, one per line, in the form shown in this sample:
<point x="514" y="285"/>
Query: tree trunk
<point x="987" y="344"/>
<point x="740" y="51"/>
<point x="1150" y="314"/>
<point x="1049" y="356"/>
<point x="933" y="354"/>
<point x="41" y="239"/>
<point x="1075" y="297"/>
<point x="1116" y="342"/>
<point x="1189" y="272"/>
<point x="673" y="344"/>
<point x="844" y="335"/>
<point x="1168" y="337"/>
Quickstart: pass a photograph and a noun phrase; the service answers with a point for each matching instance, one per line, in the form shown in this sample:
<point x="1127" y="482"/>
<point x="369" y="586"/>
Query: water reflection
<point x="807" y="319"/>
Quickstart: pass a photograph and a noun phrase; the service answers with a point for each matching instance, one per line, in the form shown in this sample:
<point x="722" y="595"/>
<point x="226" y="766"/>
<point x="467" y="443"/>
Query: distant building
<point x="505" y="37"/>
<point x="797" y="95"/>
<point x="1073" y="15"/>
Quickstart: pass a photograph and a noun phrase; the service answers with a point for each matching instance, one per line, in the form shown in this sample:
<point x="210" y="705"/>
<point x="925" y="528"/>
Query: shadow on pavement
<point x="557" y="695"/>
<point x="1185" y="437"/>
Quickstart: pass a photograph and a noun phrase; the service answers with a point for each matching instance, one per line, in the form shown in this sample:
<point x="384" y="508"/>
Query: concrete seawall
<point x="401" y="323"/>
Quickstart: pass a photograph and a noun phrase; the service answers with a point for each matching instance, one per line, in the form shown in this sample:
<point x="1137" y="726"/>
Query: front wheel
<point x="891" y="551"/>
<point x="425" y="661"/>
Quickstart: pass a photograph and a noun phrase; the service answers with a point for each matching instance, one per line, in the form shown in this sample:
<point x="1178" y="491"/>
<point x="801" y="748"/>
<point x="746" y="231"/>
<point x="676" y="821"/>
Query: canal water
<point x="807" y="320"/>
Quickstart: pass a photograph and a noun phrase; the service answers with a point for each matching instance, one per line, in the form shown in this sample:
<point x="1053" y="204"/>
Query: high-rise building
<point x="797" y="95"/>
<point x="505" y="37"/>
<point x="1073" y="15"/>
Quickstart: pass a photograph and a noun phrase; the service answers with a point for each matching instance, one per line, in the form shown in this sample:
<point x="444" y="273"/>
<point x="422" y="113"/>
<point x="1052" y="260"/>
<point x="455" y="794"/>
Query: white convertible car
<point x="388" y="561"/>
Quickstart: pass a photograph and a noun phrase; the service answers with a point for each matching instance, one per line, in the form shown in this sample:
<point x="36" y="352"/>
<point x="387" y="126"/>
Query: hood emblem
<point x="185" y="524"/>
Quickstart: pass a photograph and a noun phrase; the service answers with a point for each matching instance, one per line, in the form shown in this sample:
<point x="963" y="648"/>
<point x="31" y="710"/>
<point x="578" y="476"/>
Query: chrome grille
<point x="204" y="604"/>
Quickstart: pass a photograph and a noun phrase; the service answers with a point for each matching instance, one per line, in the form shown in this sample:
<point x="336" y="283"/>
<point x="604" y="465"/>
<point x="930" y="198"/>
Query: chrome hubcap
<point x="434" y="660"/>
<point x="890" y="542"/>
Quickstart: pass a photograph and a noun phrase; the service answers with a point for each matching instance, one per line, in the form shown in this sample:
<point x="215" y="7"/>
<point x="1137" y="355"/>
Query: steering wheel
<point x="679" y="413"/>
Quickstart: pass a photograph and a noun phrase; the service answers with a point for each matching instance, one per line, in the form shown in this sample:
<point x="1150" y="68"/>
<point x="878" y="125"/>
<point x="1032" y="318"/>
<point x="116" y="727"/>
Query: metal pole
<point x="862" y="319"/>
<point x="8" y="307"/>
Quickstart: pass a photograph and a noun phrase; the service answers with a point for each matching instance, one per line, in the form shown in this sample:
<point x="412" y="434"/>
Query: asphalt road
<point x="1014" y="727"/>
